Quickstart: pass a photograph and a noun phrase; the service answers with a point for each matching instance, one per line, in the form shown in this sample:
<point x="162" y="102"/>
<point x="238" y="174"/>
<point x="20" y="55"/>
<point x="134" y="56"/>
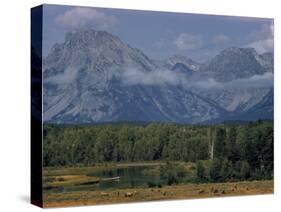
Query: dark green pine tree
<point x="220" y="143"/>
<point x="232" y="149"/>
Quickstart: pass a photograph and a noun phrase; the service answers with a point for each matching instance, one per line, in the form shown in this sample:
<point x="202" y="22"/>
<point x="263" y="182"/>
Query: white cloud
<point x="158" y="77"/>
<point x="67" y="77"/>
<point x="221" y="38"/>
<point x="263" y="45"/>
<point x="187" y="41"/>
<point x="84" y="17"/>
<point x="256" y="81"/>
<point x="266" y="41"/>
<point x="133" y="76"/>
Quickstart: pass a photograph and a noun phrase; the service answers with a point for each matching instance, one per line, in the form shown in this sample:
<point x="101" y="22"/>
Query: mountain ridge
<point x="83" y="82"/>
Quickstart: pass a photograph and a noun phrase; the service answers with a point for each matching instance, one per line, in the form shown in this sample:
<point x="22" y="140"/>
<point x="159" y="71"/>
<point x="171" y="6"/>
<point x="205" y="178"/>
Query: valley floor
<point x="181" y="191"/>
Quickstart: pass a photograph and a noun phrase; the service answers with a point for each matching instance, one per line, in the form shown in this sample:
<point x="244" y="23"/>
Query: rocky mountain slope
<point x="95" y="77"/>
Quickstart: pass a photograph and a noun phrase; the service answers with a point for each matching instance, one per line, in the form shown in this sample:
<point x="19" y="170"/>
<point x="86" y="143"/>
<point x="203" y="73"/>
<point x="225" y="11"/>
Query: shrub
<point x="172" y="172"/>
<point x="151" y="184"/>
<point x="200" y="170"/>
<point x="245" y="171"/>
<point x="215" y="170"/>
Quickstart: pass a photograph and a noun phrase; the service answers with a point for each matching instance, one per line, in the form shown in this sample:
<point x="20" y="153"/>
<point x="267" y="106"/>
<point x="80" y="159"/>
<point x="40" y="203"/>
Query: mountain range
<point x="94" y="77"/>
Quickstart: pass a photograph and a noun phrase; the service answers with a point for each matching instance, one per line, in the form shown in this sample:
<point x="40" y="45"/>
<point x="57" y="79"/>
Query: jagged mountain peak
<point x="233" y="63"/>
<point x="237" y="50"/>
<point x="90" y="49"/>
<point x="237" y="53"/>
<point x="91" y="37"/>
<point x="182" y="68"/>
<point x="170" y="62"/>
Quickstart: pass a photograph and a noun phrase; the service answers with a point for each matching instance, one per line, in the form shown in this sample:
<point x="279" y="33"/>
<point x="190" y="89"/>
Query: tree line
<point x="232" y="151"/>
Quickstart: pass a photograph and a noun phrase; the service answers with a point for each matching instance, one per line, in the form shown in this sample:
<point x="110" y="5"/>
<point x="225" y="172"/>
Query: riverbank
<point x="73" y="170"/>
<point x="106" y="183"/>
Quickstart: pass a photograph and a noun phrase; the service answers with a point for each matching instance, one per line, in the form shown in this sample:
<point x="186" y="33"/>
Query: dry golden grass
<point x="181" y="191"/>
<point x="68" y="180"/>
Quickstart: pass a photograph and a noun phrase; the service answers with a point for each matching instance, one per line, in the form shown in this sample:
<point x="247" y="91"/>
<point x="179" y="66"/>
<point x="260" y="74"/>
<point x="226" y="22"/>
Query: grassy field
<point x="67" y="177"/>
<point x="181" y="191"/>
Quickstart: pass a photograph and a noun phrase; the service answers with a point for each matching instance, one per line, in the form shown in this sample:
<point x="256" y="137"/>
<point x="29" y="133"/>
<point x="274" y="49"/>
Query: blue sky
<point x="161" y="34"/>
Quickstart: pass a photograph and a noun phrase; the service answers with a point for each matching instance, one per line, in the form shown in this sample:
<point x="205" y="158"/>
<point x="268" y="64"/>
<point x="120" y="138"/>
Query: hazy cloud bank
<point x="85" y="17"/>
<point x="256" y="81"/>
<point x="187" y="41"/>
<point x="133" y="76"/>
<point x="68" y="76"/>
<point x="265" y="42"/>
